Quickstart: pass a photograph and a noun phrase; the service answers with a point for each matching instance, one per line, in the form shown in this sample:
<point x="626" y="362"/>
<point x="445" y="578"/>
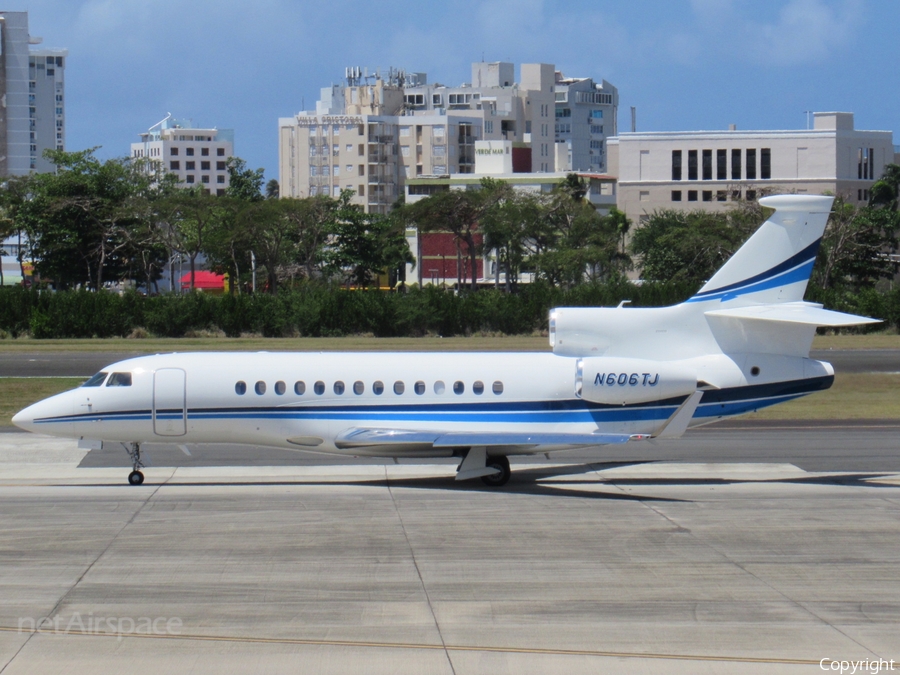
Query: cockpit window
<point x="119" y="380"/>
<point x="95" y="381"/>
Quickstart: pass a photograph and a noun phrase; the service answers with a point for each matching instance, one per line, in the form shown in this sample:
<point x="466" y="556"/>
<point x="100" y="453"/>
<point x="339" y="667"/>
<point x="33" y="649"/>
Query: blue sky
<point x="685" y="64"/>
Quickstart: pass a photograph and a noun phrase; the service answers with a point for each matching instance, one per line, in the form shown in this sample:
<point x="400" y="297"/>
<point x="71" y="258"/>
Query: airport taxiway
<point x="722" y="562"/>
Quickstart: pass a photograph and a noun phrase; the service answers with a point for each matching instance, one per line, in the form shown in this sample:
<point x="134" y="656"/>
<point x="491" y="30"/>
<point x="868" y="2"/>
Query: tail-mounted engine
<point x="620" y="381"/>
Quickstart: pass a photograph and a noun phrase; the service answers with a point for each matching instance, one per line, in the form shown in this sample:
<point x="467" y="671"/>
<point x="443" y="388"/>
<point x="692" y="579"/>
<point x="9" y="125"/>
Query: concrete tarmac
<point x="699" y="566"/>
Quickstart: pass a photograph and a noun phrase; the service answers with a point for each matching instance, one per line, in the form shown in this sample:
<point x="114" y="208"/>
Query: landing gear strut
<point x="136" y="477"/>
<point x="500" y="463"/>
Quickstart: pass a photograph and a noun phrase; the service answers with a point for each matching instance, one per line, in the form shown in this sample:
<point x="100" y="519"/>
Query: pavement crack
<point x="412" y="554"/>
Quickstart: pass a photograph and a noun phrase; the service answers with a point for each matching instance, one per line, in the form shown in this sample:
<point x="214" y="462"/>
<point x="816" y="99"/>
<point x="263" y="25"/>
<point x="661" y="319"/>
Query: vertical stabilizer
<point x="773" y="266"/>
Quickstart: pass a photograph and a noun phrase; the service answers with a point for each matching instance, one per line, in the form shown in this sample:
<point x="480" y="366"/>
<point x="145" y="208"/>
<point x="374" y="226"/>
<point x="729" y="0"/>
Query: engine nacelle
<point x="619" y="381"/>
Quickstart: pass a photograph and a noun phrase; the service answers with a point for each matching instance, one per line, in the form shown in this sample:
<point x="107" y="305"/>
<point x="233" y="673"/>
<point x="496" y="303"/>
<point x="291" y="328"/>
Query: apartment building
<point x="32" y="87"/>
<point x="371" y="134"/>
<point x="585" y="114"/>
<point x="196" y="156"/>
<point x="708" y="169"/>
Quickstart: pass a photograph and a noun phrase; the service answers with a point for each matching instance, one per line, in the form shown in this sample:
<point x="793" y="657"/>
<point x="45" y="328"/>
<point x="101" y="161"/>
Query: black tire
<point x="136" y="478"/>
<point x="497" y="479"/>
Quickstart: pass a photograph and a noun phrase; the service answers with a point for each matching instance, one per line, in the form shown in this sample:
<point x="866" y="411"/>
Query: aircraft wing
<point x="374" y="437"/>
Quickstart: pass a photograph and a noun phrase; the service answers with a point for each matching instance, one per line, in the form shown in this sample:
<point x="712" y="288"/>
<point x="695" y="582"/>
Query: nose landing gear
<point x="136" y="477"/>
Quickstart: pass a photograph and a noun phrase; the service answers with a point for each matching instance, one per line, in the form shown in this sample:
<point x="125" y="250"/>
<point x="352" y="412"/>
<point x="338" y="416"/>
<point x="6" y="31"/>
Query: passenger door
<point x="169" y="413"/>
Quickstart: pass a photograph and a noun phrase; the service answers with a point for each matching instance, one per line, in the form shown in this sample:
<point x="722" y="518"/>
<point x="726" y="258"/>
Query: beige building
<point x="371" y="134"/>
<point x="195" y="156"/>
<point x="708" y="169"/>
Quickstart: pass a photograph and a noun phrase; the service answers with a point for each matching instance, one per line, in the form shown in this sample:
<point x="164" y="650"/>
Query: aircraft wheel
<point x="497" y="479"/>
<point x="136" y="478"/>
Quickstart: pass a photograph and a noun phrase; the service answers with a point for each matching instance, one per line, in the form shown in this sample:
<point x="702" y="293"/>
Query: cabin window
<point x="459" y="387"/>
<point x="419" y="387"/>
<point x="280" y="388"/>
<point x="399" y="387"/>
<point x="260" y="388"/>
<point x="240" y="388"/>
<point x="338" y="387"/>
<point x="439" y="387"/>
<point x="497" y="387"/>
<point x="119" y="380"/>
<point x="300" y="387"/>
<point x="358" y="387"/>
<point x="95" y="381"/>
<point x="478" y="388"/>
<point x="378" y="387"/>
<point x="319" y="388"/>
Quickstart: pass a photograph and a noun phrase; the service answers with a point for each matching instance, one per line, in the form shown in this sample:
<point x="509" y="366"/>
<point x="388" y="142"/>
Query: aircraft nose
<point x="24" y="419"/>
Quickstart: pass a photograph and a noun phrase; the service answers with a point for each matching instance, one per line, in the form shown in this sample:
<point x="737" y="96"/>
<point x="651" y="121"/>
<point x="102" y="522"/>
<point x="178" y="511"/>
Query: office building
<point x="585" y="117"/>
<point x="709" y="169"/>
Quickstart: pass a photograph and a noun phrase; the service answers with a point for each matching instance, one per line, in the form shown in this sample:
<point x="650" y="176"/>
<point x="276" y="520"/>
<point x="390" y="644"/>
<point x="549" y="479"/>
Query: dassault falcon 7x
<point x="615" y="375"/>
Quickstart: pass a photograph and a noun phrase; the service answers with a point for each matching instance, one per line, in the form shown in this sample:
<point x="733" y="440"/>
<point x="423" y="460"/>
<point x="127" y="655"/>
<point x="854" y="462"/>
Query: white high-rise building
<point x="195" y="156"/>
<point x="32" y="87"/>
<point x="585" y="117"/>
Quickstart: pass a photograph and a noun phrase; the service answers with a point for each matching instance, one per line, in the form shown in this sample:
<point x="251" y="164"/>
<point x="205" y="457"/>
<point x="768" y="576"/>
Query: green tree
<point x="885" y="190"/>
<point x="853" y="248"/>
<point x="243" y="183"/>
<point x="273" y="191"/>
<point x="364" y="245"/>
<point x="79" y="220"/>
<point x="189" y="218"/>
<point x="686" y="246"/>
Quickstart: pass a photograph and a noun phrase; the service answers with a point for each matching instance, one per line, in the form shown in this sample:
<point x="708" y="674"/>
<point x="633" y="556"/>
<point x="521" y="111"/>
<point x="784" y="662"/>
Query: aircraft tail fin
<point x="773" y="265"/>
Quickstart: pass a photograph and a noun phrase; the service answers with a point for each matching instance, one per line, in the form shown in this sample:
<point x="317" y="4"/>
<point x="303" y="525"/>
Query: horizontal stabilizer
<point x="806" y="313"/>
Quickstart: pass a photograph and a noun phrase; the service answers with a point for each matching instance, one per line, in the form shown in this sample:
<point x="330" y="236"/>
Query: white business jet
<point x="615" y="375"/>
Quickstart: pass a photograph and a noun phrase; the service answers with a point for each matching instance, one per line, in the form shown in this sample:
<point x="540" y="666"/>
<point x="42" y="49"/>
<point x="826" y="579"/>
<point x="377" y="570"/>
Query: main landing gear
<point x="497" y="479"/>
<point x="136" y="477"/>
<point x="493" y="471"/>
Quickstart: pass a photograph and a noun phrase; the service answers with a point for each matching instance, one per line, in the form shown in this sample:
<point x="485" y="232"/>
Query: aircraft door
<point x="169" y="413"/>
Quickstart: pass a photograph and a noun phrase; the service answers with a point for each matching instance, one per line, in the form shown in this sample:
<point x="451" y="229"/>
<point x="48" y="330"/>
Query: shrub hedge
<point x="319" y="311"/>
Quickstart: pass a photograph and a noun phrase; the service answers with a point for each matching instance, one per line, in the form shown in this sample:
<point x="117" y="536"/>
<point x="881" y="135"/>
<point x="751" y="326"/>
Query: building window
<point x="751" y="165"/>
<point x="676" y="168"/>
<point x="692" y="165"/>
<point x="189" y="179"/>
<point x="676" y="195"/>
<point x="721" y="165"/>
<point x="721" y="195"/>
<point x="174" y="152"/>
<point x="190" y="152"/>
<point x="735" y="195"/>
<point x="765" y="163"/>
<point x="692" y="195"/>
<point x="175" y="166"/>
<point x="736" y="164"/>
<point x="707" y="165"/>
<point x="220" y="179"/>
<point x="220" y="152"/>
<point x="204" y="178"/>
<point x="220" y="166"/>
<point x="204" y="152"/>
<point x="189" y="166"/>
<point x="707" y="195"/>
<point x="204" y="166"/>
<point x="751" y="195"/>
